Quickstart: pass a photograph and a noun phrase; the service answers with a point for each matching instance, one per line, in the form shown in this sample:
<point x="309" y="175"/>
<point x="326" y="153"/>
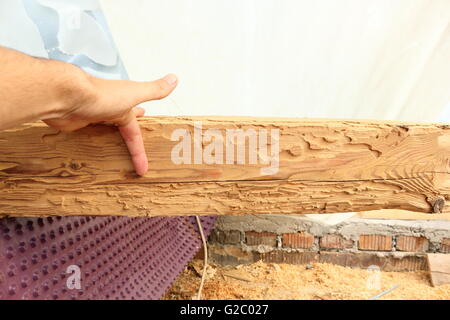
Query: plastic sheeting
<point x="117" y="257"/>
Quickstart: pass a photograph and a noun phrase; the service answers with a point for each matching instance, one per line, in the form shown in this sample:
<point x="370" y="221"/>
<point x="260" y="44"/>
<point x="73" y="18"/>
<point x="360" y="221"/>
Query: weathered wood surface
<point x="325" y="166"/>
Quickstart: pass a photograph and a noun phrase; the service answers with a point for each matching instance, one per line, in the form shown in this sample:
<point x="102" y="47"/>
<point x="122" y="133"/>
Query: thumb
<point x="152" y="90"/>
<point x="161" y="88"/>
<point x="131" y="93"/>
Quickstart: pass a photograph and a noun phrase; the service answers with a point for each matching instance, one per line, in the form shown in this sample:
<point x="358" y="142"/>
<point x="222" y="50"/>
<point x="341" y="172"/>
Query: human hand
<point x="113" y="102"/>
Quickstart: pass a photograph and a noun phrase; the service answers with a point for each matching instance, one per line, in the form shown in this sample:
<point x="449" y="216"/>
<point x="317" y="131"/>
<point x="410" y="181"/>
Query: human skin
<point x="66" y="98"/>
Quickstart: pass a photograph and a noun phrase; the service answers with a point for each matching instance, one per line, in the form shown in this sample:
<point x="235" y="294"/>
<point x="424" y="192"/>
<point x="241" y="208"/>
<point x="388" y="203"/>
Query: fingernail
<point x="171" y="79"/>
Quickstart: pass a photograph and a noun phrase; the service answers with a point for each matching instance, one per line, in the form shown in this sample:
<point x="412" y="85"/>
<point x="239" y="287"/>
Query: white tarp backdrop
<point x="383" y="59"/>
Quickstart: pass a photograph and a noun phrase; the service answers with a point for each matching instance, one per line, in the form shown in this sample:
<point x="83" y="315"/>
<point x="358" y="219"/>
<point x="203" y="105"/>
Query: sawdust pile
<point x="317" y="281"/>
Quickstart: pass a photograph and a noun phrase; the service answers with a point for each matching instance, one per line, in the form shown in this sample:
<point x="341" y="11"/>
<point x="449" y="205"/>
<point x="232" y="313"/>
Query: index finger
<point x="131" y="134"/>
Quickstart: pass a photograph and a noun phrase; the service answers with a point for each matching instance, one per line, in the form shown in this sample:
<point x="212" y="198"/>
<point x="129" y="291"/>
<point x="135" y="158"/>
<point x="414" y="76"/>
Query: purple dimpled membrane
<point x="115" y="257"/>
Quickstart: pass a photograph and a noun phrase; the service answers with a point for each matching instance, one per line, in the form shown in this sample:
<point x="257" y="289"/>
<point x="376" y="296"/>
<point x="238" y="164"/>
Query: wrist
<point x="71" y="87"/>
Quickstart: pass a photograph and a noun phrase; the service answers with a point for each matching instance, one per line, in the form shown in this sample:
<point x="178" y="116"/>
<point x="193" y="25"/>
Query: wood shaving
<point x="294" y="282"/>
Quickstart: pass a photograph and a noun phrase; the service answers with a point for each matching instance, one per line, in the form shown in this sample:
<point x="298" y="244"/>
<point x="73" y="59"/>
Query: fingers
<point x="138" y="112"/>
<point x="139" y="92"/>
<point x="131" y="134"/>
<point x="161" y="88"/>
<point x="66" y="124"/>
<point x="128" y="128"/>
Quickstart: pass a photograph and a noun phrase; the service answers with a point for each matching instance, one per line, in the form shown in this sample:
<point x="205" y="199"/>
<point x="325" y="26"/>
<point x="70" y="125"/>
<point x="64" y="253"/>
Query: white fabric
<point x="80" y="33"/>
<point x="17" y="31"/>
<point x="377" y="59"/>
<point x="71" y="31"/>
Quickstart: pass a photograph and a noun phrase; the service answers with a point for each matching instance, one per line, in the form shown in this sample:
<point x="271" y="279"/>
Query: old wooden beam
<point x="222" y="165"/>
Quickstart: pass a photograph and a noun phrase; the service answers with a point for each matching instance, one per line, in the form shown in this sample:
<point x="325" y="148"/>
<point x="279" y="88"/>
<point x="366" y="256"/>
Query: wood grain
<point x="325" y="166"/>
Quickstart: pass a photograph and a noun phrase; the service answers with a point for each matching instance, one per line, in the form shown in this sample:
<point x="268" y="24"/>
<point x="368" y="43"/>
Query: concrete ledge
<point x="392" y="245"/>
<point x="433" y="230"/>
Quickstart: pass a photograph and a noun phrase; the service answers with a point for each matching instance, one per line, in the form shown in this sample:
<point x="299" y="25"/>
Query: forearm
<point x="67" y="98"/>
<point x="34" y="89"/>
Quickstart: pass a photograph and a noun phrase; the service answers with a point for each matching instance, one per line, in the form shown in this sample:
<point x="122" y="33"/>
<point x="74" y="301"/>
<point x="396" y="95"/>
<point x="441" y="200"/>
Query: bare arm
<point x="67" y="98"/>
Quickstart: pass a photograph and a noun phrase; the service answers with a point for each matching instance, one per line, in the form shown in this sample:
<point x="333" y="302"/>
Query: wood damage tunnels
<point x="227" y="166"/>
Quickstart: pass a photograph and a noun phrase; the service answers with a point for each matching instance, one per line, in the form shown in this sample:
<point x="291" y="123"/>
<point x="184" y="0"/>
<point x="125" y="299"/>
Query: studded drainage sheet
<point x="95" y="257"/>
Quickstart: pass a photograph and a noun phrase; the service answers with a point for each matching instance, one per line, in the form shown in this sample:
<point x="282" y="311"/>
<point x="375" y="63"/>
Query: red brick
<point x="230" y="255"/>
<point x="301" y="240"/>
<point x="406" y="263"/>
<point x="233" y="255"/>
<point x="412" y="244"/>
<point x="225" y="237"/>
<point x="279" y="256"/>
<point x="364" y="260"/>
<point x="375" y="242"/>
<point x="200" y="253"/>
<point x="335" y="241"/>
<point x="445" y="245"/>
<point x="353" y="259"/>
<point x="258" y="238"/>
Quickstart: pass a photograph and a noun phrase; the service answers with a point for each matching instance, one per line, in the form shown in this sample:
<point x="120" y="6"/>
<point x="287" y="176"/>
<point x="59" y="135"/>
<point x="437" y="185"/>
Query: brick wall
<point x="359" y="245"/>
